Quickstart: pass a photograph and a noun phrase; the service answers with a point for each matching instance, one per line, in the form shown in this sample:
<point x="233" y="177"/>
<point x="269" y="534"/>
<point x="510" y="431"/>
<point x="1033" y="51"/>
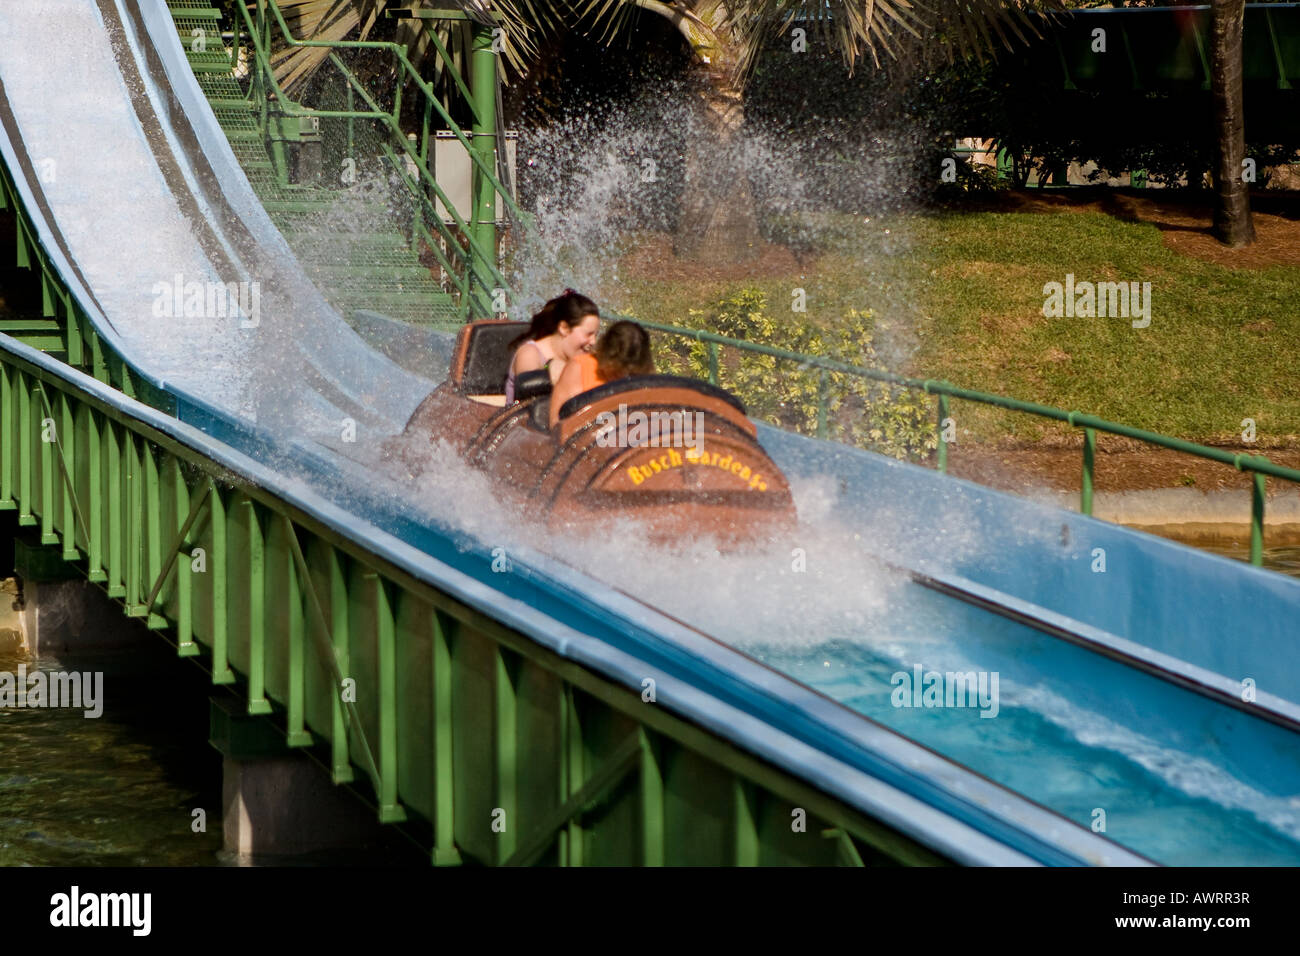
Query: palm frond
<point x="974" y="29"/>
<point x="861" y="29"/>
<point x="319" y="20"/>
<point x="858" y="29"/>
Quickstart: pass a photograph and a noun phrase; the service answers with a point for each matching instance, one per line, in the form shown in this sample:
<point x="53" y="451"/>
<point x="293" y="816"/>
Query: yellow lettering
<point x="736" y="466"/>
<point x="656" y="466"/>
<point x="715" y="459"/>
<point x="675" y="458"/>
<point x="635" y="472"/>
<point x="744" y="473"/>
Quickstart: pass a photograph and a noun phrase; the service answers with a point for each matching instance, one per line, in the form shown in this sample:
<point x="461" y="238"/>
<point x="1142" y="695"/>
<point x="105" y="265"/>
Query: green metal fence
<point x="1259" y="466"/>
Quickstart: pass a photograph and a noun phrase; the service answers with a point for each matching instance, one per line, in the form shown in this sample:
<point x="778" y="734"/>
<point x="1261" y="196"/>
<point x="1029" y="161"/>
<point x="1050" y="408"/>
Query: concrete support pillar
<point x="48" y="609"/>
<point x="61" y="617"/>
<point x="278" y="804"/>
<point x="280" y="807"/>
<point x="13" y="636"/>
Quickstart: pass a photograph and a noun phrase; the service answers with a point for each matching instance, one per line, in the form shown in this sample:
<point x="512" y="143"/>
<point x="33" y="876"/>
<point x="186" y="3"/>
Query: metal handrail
<point x="476" y="256"/>
<point x="412" y="75"/>
<point x="461" y="224"/>
<point x="1258" y="465"/>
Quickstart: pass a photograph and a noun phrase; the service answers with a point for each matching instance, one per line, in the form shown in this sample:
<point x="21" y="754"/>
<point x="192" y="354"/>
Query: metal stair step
<point x="370" y="241"/>
<point x="334" y="273"/>
<point x="360" y="297"/>
<point x="29" y="325"/>
<point x="195" y="13"/>
<point x="198" y="66"/>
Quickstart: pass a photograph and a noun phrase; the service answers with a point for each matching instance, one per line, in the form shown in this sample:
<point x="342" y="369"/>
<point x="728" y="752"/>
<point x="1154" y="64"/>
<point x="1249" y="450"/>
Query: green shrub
<point x="973" y="178"/>
<point x="874" y="415"/>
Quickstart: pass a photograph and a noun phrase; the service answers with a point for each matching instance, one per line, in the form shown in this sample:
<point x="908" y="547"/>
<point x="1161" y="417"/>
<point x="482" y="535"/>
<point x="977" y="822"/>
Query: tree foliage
<point x="738" y="30"/>
<point x="859" y="411"/>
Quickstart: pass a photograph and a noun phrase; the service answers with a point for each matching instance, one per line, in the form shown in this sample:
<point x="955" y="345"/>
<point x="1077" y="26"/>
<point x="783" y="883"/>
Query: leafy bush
<point x="874" y="415"/>
<point x="975" y="178"/>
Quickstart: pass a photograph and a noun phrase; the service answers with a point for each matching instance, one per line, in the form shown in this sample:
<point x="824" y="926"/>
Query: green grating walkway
<point x="348" y="245"/>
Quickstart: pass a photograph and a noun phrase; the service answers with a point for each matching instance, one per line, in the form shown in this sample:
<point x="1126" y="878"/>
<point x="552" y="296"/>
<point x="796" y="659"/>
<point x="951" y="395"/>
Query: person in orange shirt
<point x="623" y="350"/>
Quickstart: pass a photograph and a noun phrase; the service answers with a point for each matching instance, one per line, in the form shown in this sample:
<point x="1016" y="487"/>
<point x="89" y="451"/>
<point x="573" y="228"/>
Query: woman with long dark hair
<point x="566" y="326"/>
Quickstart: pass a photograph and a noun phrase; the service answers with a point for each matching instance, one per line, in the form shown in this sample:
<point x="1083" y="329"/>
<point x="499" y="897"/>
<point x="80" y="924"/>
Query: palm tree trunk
<point x="717" y="218"/>
<point x="1233" y="224"/>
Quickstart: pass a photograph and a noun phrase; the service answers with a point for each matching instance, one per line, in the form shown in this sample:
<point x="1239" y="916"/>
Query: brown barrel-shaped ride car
<point x="677" y="454"/>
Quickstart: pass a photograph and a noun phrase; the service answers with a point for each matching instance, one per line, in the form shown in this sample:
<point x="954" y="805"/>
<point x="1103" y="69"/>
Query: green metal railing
<point x="1258" y="466"/>
<point x="474" y="272"/>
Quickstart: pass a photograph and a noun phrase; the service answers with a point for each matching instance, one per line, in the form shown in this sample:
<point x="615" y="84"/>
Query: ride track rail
<point x="461" y="607"/>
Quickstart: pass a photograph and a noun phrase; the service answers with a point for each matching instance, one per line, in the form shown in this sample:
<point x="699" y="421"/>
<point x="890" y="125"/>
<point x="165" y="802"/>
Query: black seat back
<point x="636" y="382"/>
<point x="531" y="384"/>
<point x="488" y="355"/>
<point x="539" y="414"/>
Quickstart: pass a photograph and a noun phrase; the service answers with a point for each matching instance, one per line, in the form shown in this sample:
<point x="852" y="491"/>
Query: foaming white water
<point x="622" y="167"/>
<point x="797" y="590"/>
<point x="617" y="179"/>
<point x="1192" y="775"/>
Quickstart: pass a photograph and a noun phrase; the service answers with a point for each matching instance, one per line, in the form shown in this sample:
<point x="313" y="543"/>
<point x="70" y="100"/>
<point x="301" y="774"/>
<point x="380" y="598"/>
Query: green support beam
<point x="417" y="649"/>
<point x="483" y="144"/>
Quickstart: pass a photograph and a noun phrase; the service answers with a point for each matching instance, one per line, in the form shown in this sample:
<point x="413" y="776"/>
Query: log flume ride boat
<point x="677" y="454"/>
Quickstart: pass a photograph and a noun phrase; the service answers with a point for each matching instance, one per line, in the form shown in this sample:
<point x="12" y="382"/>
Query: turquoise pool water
<point x="1180" y="779"/>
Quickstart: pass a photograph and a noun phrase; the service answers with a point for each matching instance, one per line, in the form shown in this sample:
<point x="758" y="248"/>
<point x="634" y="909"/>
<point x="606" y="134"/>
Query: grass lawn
<point x="960" y="296"/>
